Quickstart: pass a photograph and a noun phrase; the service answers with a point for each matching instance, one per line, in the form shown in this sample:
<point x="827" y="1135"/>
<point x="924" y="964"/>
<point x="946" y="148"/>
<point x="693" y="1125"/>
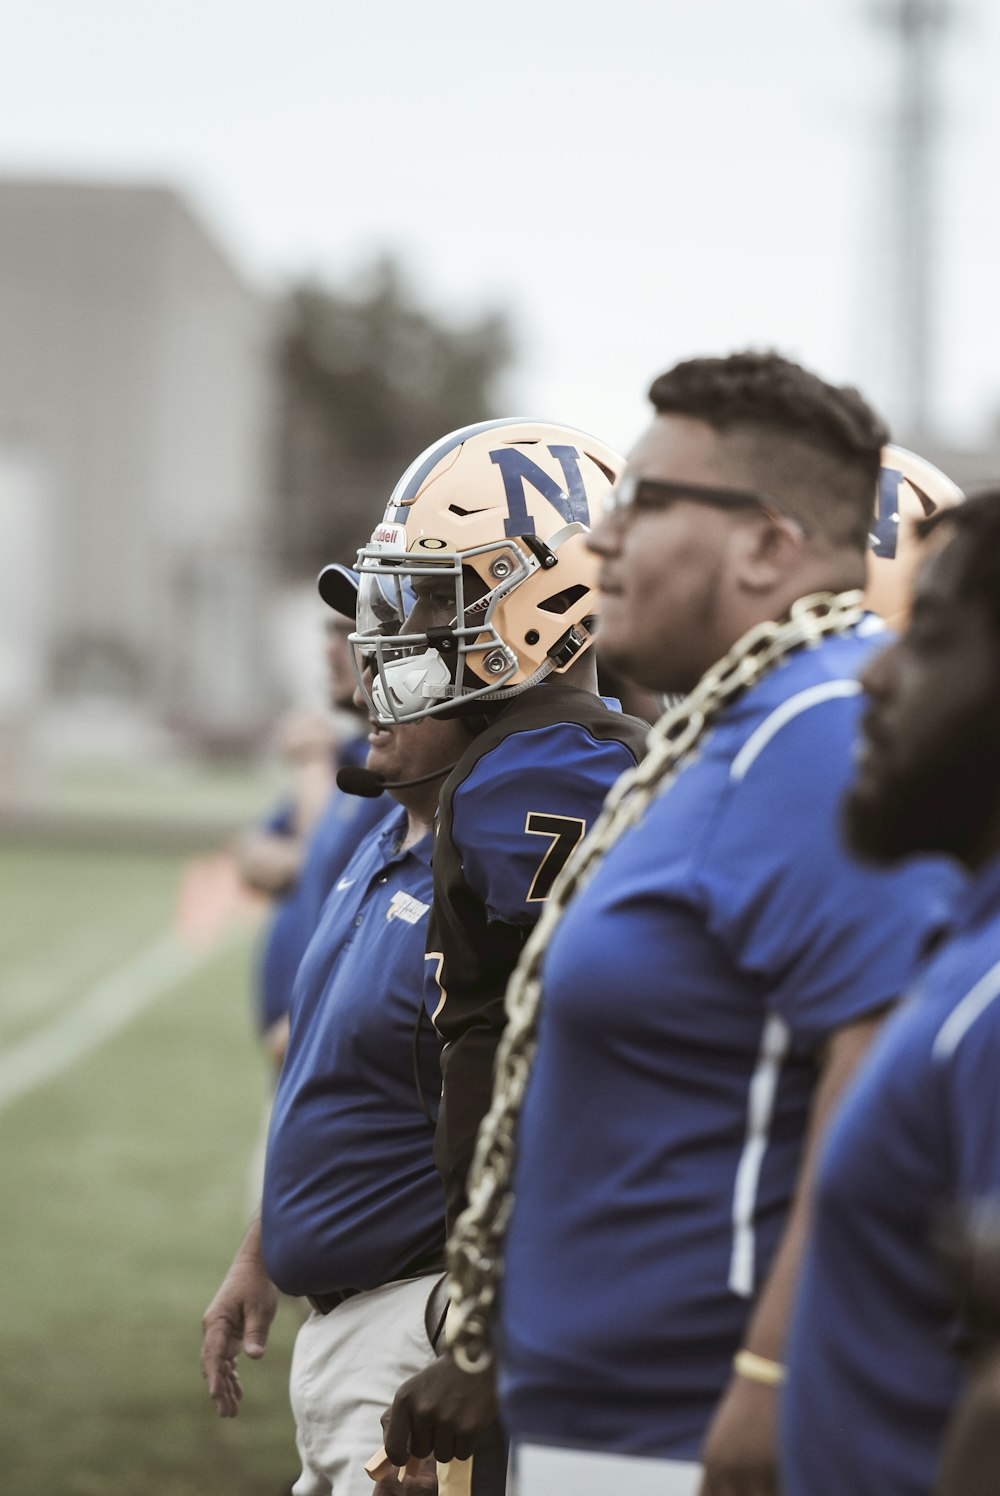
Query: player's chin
<point x="382" y="751"/>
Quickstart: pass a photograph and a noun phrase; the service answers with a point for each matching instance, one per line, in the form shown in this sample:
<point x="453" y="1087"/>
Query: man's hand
<point x="740" y="1453"/>
<point x="440" y="1411"/>
<point x="239" y="1317"/>
<point x="419" y="1478"/>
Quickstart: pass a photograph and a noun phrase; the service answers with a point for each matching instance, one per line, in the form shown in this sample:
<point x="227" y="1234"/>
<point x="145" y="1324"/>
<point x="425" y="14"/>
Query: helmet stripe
<point x="409" y="484"/>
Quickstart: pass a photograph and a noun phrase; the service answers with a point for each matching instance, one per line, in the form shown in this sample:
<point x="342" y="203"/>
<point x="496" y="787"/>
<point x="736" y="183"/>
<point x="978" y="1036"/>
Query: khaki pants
<point x="346" y="1369"/>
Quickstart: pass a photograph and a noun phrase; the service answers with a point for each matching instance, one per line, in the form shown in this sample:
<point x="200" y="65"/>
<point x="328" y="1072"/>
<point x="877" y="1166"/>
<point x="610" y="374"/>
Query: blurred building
<point x="972" y="468"/>
<point x="135" y="415"/>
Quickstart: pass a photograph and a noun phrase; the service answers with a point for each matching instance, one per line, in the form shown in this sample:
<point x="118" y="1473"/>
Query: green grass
<point x="68" y="919"/>
<point x="186" y="790"/>
<point x="123" y="1192"/>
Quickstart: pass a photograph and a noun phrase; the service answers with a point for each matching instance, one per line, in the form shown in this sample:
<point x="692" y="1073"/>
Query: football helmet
<point x="488" y="527"/>
<point x="909" y="489"/>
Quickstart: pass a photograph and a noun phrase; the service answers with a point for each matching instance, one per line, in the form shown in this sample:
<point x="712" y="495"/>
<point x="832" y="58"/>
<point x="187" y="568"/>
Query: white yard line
<point x="99" y="1014"/>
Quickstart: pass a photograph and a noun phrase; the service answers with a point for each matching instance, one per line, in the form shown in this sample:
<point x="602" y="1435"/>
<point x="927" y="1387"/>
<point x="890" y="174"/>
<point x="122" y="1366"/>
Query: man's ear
<point x="766" y="550"/>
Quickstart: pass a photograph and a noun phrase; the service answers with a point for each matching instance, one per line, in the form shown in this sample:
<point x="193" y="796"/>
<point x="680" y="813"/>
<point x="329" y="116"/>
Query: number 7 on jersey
<point x="564" y="832"/>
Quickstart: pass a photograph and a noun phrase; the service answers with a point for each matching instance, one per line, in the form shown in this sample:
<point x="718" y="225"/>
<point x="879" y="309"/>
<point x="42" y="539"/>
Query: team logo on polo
<point x="405" y="906"/>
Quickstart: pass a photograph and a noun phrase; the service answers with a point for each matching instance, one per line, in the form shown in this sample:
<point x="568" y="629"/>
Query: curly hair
<point x="821" y="441"/>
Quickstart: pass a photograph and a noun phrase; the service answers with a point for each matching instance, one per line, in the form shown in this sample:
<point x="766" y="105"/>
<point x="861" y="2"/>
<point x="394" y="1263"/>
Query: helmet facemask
<point x="428" y="629"/>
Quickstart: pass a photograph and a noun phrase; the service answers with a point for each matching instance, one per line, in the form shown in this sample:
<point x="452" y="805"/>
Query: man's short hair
<point x="818" y="445"/>
<point x="977" y="523"/>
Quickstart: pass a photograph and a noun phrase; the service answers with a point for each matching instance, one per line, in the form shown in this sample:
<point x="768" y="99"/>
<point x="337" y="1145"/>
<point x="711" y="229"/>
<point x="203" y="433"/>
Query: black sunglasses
<point x="632" y="495"/>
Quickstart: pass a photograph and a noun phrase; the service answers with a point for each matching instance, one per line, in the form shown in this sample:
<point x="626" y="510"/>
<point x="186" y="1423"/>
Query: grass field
<point x="123" y="1189"/>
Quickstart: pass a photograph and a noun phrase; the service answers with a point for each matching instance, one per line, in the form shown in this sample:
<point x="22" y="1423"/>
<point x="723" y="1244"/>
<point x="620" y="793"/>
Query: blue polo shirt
<point x="687" y="994"/>
<point x="345" y="821"/>
<point x="874" y="1361"/>
<point x="351" y="1196"/>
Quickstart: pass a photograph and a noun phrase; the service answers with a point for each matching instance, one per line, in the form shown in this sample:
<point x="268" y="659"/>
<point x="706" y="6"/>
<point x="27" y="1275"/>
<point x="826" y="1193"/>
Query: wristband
<point x="759" y="1369"/>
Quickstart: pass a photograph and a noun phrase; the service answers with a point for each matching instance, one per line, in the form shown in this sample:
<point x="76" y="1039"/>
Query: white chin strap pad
<point x="411" y="682"/>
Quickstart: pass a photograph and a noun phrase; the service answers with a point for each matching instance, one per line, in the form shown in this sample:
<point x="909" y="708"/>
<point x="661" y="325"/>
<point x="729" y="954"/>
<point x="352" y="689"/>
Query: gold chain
<point x="475" y="1250"/>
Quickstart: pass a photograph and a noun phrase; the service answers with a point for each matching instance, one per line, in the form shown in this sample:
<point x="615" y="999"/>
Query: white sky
<point x="636" y="182"/>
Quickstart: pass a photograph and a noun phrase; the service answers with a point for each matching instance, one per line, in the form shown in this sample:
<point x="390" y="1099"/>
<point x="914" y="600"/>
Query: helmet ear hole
<point x="561" y="602"/>
<point x="473" y="586"/>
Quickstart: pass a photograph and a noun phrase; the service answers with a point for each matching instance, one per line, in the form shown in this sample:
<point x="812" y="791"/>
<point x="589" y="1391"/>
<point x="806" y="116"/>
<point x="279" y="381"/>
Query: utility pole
<point x="918" y="28"/>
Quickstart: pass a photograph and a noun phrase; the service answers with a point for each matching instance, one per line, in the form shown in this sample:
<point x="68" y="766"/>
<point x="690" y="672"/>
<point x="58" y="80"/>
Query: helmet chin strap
<point x="508" y="692"/>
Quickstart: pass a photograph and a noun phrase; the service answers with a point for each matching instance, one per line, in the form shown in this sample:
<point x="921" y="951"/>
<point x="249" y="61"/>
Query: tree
<point x="367" y="381"/>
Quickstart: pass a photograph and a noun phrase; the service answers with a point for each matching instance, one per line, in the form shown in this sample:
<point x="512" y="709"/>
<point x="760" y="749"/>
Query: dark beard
<point x="941" y="815"/>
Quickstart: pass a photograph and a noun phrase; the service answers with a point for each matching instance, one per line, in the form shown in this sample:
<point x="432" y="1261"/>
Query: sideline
<point x="102" y="1012"/>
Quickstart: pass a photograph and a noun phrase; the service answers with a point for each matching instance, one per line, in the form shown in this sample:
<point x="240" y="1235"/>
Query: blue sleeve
<point x="524" y="807"/>
<point x="973" y="1107"/>
<point x="829" y="940"/>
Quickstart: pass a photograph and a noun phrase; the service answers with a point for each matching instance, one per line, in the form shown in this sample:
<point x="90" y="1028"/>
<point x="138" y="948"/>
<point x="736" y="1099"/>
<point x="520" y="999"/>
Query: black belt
<point x="325" y="1303"/>
<point x="431" y="1262"/>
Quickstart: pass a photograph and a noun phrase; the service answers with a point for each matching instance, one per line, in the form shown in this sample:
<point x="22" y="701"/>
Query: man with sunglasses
<point x="711" y="981"/>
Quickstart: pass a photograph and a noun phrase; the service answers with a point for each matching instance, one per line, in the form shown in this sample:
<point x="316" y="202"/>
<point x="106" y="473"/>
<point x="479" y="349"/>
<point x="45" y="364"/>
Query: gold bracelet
<point x="759" y="1369"/>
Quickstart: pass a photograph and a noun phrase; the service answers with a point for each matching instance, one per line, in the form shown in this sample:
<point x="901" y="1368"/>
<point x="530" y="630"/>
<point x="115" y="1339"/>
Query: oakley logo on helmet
<point x="517" y="469"/>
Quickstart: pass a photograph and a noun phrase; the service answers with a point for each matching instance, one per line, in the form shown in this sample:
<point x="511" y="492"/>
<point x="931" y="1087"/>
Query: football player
<point x="881" y="1348"/>
<point x="352" y="1217"/>
<point x="709" y="970"/>
<point x="489" y="527"/>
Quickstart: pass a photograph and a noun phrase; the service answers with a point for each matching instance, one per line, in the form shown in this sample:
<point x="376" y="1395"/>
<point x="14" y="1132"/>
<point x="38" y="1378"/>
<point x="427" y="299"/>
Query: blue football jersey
<point x="523" y="795"/>
<point x="876" y="1343"/>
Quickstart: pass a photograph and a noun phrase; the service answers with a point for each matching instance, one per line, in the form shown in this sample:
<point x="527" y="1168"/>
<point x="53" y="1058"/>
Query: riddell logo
<point x="390" y="536"/>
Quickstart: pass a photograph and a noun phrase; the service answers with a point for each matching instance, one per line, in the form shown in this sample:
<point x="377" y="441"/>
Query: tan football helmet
<point x="488" y="528"/>
<point x="909" y="489"/>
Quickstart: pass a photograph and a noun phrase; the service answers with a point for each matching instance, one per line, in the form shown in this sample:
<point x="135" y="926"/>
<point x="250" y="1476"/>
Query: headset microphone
<point x="369" y="783"/>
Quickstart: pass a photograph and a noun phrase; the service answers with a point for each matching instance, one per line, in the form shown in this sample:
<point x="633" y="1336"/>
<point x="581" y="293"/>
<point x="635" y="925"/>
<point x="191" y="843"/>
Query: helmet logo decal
<point x="389" y="535"/>
<point x="517" y="469"/>
<point x="885" y="535"/>
<point x="430" y="544"/>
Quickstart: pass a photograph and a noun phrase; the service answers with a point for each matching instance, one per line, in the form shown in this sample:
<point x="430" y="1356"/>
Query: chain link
<point x="475" y="1248"/>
